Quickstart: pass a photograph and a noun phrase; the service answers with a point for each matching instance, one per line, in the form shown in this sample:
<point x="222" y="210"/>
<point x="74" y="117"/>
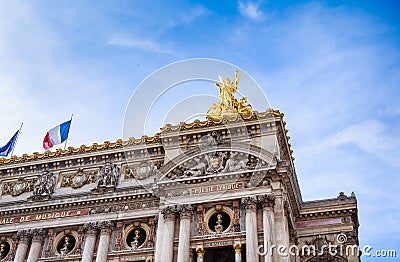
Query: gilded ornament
<point x="229" y="107"/>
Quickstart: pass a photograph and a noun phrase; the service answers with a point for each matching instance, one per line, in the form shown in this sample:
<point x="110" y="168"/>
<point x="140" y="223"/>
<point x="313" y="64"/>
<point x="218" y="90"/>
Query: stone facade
<point x="205" y="191"/>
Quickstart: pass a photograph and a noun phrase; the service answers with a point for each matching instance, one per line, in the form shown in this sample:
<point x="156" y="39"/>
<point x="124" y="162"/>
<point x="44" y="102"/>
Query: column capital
<point x="105" y="227"/>
<point x="266" y="201"/>
<point x="238" y="248"/>
<point x="37" y="234"/>
<point x="91" y="228"/>
<point x="250" y="202"/>
<point x="169" y="212"/>
<point x="24" y="235"/>
<point x="185" y="211"/>
<point x="200" y="251"/>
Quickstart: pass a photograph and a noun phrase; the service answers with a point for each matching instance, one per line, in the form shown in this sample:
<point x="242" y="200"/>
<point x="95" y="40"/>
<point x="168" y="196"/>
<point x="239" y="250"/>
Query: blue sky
<point x="333" y="68"/>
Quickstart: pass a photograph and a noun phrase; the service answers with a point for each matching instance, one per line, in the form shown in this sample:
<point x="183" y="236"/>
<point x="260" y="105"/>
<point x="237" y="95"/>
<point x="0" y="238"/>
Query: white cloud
<point x="144" y="44"/>
<point x="251" y="10"/>
<point x="194" y="13"/>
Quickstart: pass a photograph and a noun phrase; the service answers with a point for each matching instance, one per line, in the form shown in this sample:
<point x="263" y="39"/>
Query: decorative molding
<point x="200" y="220"/>
<point x="177" y="193"/>
<point x="49" y="249"/>
<point x="134" y="205"/>
<point x="118" y="239"/>
<point x="79" y="242"/>
<point x="16" y="188"/>
<point x="78" y="179"/>
<point x="236" y="215"/>
<point x="142" y="171"/>
<point x="150" y="240"/>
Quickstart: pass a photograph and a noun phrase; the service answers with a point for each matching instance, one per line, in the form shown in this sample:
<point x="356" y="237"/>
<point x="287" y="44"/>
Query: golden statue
<point x="229" y="106"/>
<point x="136" y="236"/>
<point x="65" y="250"/>
<point x="219" y="219"/>
<point x="135" y="242"/>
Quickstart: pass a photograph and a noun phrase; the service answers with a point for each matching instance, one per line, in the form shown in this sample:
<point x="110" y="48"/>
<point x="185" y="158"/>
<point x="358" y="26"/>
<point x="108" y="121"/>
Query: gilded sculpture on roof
<point x="229" y="106"/>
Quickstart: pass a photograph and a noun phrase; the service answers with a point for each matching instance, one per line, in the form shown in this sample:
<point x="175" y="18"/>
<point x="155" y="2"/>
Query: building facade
<point x="224" y="189"/>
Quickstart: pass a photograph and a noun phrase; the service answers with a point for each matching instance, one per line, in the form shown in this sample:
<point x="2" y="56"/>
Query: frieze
<point x="78" y="179"/>
<point x="44" y="216"/>
<point x="16" y="188"/>
<point x="177" y="193"/>
<point x="217" y="188"/>
<point x="215" y="163"/>
<point x="141" y="171"/>
<point x="125" y="206"/>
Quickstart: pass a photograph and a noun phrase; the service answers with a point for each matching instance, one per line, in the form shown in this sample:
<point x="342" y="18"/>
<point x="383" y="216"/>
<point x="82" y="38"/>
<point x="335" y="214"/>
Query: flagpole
<point x="66" y="141"/>
<point x="15" y="142"/>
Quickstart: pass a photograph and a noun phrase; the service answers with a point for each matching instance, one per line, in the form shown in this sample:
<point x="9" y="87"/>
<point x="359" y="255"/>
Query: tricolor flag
<point x="5" y="150"/>
<point x="56" y="135"/>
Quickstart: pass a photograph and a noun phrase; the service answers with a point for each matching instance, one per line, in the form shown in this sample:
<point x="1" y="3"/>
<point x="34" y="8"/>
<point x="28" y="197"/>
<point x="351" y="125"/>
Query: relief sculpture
<point x="215" y="163"/>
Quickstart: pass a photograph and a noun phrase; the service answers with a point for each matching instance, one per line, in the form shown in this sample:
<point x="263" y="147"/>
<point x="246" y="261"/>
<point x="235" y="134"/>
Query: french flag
<point x="56" y="135"/>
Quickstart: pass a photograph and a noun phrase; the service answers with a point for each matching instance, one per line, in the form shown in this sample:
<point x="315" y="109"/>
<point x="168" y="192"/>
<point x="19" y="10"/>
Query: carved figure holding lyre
<point x="229" y="106"/>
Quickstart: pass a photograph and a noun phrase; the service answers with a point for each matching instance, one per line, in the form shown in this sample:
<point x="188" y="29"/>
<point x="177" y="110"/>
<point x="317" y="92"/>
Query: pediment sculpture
<point x="215" y="163"/>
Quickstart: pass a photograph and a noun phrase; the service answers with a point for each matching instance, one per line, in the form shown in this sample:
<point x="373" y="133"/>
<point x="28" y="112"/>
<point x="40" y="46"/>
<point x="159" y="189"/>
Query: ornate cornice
<point x="104" y="205"/>
<point x="212" y="122"/>
<point x="80" y="150"/>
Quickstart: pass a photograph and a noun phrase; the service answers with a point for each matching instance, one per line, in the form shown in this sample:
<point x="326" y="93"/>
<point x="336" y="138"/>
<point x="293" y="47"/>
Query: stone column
<point x="250" y="204"/>
<point x="281" y="228"/>
<point x="105" y="233"/>
<point x="200" y="254"/>
<point x="159" y="237"/>
<point x="268" y="202"/>
<point x="238" y="252"/>
<point x="24" y="238"/>
<point x="34" y="252"/>
<point x="185" y="212"/>
<point x="167" y="250"/>
<point x="90" y="241"/>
